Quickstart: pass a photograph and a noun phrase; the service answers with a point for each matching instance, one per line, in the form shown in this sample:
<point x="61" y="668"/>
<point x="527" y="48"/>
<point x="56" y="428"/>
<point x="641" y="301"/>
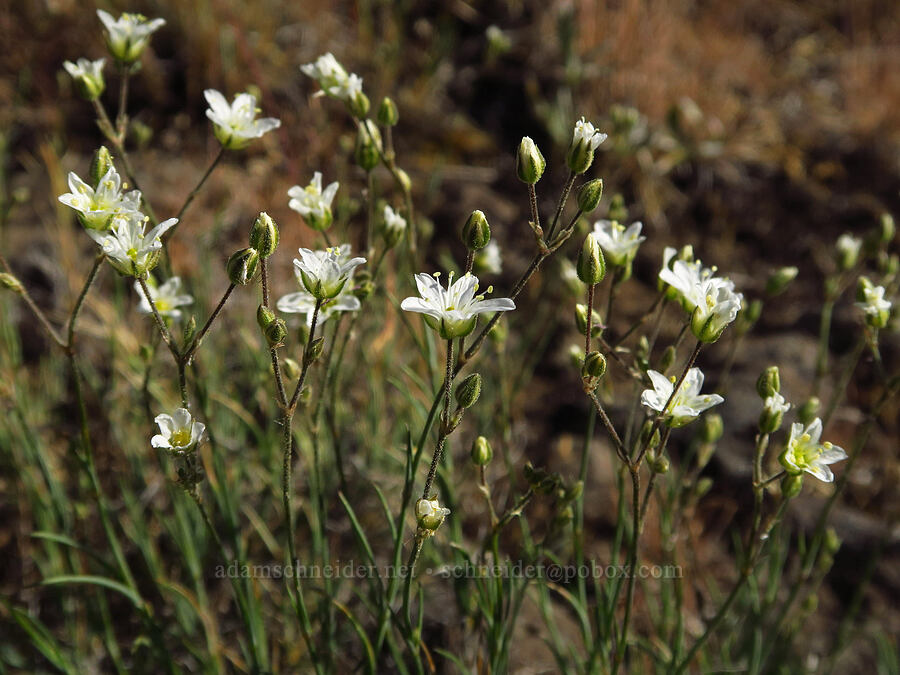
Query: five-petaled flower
<point x="166" y="298"/>
<point x="687" y="403"/>
<point x="804" y="452"/>
<point x="130" y="250"/>
<point x="429" y="516"/>
<point x="179" y="432"/>
<point x="96" y="207"/>
<point x="453" y="311"/>
<point x="303" y="302"/>
<point x="127" y="36"/>
<point x="333" y="78"/>
<point x="235" y="124"/>
<point x="619" y="244"/>
<point x="88" y="76"/>
<point x="314" y="203"/>
<point x="324" y="273"/>
<point x="877" y="310"/>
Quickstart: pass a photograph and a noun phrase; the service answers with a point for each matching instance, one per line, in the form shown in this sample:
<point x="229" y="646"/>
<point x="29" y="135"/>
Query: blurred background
<point x="756" y="130"/>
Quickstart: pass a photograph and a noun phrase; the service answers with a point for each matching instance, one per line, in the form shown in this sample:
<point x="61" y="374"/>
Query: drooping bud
<point x="275" y="333"/>
<point x="388" y="115"/>
<point x="481" y="452"/>
<point x="368" y="145"/>
<point x="11" y="283"/>
<point x="530" y="163"/>
<point x="264" y="235"/>
<point x="589" y="195"/>
<point x="101" y="162"/>
<point x="242" y="266"/>
<point x="468" y="391"/>
<point x="476" y="232"/>
<point x="780" y="280"/>
<point x="591" y="265"/>
<point x="769" y="382"/>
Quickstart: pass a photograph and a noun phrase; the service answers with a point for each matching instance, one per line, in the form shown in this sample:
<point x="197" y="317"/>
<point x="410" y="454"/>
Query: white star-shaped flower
<point x="585" y="133"/>
<point x="130" y="250"/>
<point x="453" y="311"/>
<point x="805" y="453"/>
<point x="325" y="273"/>
<point x="235" y="124"/>
<point x="687" y="403"/>
<point x="619" y="244"/>
<point x="179" y="432"/>
<point x="127" y="36"/>
<point x="333" y="78"/>
<point x="96" y="207"/>
<point x="166" y="297"/>
<point x="88" y="76"/>
<point x="314" y="203"/>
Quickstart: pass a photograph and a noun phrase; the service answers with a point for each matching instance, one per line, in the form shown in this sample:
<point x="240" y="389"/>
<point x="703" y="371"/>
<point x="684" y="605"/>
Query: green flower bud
<point x="791" y="485"/>
<point x="359" y="105"/>
<point x="769" y="382"/>
<point x="388" y="115"/>
<point x="189" y="330"/>
<point x="589" y="195"/>
<point x="242" y="266"/>
<point x="780" y="280"/>
<point x="146" y="353"/>
<point x="811" y="602"/>
<point x="711" y="428"/>
<point x="363" y="286"/>
<point x="368" y="145"/>
<point x="617" y="209"/>
<point x="591" y="265"/>
<point x="275" y="333"/>
<point x="481" y="453"/>
<point x="476" y="232"/>
<point x="291" y="368"/>
<point x="888" y="229"/>
<point x="808" y="411"/>
<point x="10" y="283"/>
<point x="832" y="542"/>
<point x="888" y="265"/>
<point x="101" y="162"/>
<point x="468" y="392"/>
<point x="264" y="235"/>
<point x="705" y="453"/>
<point x="581" y="321"/>
<point x="703" y="486"/>
<point x="660" y="465"/>
<point x="847" y="251"/>
<point x="646" y="439"/>
<point x="403" y="177"/>
<point x="264" y="316"/>
<point x="862" y="285"/>
<point x="530" y="163"/>
<point x="594" y="367"/>
<point x="770" y="421"/>
<point x="751" y="313"/>
<point x="316" y="348"/>
<point x="499" y="332"/>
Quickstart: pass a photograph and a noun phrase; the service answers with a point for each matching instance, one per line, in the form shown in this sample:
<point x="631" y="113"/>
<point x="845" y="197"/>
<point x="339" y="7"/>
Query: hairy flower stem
<point x="590" y="319"/>
<point x="273" y="351"/>
<point x="532" y="202"/>
<point x="622" y="645"/>
<point x="563" y="198"/>
<point x="122" y="115"/>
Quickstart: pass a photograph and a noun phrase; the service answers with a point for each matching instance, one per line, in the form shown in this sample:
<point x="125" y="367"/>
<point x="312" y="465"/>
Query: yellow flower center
<point x="181" y="438"/>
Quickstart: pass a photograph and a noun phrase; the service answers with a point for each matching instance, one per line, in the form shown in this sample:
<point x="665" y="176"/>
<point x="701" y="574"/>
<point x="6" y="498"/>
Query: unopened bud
<point x="10" y="283"/>
<point x="275" y="333"/>
<point x="831" y="542"/>
<point x="291" y="368"/>
<point x="316" y="348"/>
<point x="769" y="382"/>
<point x="704" y="485"/>
<point x="594" y="366"/>
<point x="388" y="114"/>
<point x="591" y="265"/>
<point x="264" y="316"/>
<point x="780" y="280"/>
<point x="808" y="411"/>
<point x="530" y="163"/>
<point x="189" y="330"/>
<point x="711" y="428"/>
<point x="617" y="209"/>
<point x="403" y="177"/>
<point x="264" y="235"/>
<point x="660" y="465"/>
<point x="646" y="438"/>
<point x="888" y="228"/>
<point x="476" y="232"/>
<point x="101" y="162"/>
<point x="589" y="195"/>
<point x="242" y="266"/>
<point x="581" y="321"/>
<point x="468" y="392"/>
<point x="481" y="453"/>
<point x="368" y="145"/>
<point x="667" y="358"/>
<point x="847" y="251"/>
<point x="358" y="105"/>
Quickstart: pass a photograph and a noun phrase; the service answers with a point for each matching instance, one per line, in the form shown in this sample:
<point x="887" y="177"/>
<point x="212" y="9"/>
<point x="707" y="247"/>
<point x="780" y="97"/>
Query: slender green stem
<point x="273" y="351"/>
<point x="195" y="343"/>
<point x="841" y="388"/>
<point x="163" y="329"/>
<point x="632" y="566"/>
<point x="563" y="198"/>
<point x="38" y="313"/>
<point x="532" y="202"/>
<point x="79" y="302"/>
<point x="445" y="424"/>
<point x="590" y="319"/>
<point x="122" y="116"/>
